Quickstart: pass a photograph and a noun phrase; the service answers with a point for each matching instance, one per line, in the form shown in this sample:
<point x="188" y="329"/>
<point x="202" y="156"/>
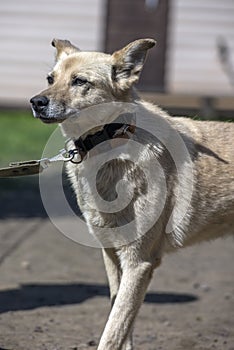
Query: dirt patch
<point x="54" y="295"/>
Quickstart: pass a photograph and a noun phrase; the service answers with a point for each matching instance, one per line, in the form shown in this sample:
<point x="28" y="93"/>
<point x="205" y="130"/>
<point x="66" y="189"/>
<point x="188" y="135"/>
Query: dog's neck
<point x="107" y="133"/>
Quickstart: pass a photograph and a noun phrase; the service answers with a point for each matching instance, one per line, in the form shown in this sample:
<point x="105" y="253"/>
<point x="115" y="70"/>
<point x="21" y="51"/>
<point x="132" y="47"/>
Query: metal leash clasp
<point x="62" y="156"/>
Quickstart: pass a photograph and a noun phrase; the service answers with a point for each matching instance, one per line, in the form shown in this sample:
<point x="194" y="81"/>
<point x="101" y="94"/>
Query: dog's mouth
<point x="52" y="120"/>
<point x="47" y="120"/>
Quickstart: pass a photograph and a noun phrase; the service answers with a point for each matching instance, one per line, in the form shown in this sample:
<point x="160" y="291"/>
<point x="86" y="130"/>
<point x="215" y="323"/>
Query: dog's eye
<point x="77" y="81"/>
<point x="50" y="79"/>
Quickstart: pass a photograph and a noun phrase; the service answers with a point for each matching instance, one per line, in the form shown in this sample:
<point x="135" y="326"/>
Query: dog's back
<point x="213" y="194"/>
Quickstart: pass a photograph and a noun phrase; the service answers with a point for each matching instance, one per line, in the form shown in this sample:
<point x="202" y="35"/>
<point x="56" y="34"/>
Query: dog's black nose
<point x="39" y="103"/>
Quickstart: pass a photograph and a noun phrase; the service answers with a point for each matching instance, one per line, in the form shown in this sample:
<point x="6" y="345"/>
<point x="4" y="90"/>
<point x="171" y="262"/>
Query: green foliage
<point x="22" y="137"/>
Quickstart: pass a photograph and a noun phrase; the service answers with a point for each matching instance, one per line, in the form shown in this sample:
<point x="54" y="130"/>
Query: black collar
<point x="108" y="132"/>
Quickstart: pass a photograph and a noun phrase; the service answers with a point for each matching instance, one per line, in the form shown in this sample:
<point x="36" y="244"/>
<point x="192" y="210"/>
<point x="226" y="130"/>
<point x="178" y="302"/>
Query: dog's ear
<point x="64" y="48"/>
<point x="128" y="62"/>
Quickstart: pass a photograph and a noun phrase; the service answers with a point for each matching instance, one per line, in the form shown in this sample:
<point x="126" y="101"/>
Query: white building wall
<point x="27" y="28"/>
<point x="193" y="64"/>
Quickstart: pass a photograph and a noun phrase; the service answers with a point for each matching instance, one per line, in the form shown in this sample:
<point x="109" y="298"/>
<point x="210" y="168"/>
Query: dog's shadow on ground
<point x="31" y="296"/>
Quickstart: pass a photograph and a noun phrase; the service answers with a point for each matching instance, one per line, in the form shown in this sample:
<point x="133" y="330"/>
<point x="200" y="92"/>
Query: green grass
<point x="22" y="137"/>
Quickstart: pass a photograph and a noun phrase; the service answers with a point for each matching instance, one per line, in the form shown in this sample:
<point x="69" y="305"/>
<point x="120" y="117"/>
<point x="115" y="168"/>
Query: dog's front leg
<point x="133" y="285"/>
<point x="113" y="271"/>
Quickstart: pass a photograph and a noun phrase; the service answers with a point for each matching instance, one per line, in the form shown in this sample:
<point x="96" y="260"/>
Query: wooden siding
<point x="26" y="30"/>
<point x="128" y="20"/>
<point x="193" y="63"/>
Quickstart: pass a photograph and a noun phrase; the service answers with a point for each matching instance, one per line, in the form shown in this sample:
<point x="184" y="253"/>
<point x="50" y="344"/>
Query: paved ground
<point x="54" y="296"/>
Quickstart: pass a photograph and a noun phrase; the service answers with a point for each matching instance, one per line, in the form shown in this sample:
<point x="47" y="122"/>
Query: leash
<point x="33" y="167"/>
<point x="75" y="155"/>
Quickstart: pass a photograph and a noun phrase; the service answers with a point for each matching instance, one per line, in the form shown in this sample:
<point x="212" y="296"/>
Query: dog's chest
<point x="115" y="193"/>
<point x="107" y="189"/>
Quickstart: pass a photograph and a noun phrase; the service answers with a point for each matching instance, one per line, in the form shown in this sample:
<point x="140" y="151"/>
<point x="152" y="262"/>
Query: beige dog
<point x="191" y="181"/>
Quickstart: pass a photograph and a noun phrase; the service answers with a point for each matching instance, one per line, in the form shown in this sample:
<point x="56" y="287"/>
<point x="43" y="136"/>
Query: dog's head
<point x="82" y="79"/>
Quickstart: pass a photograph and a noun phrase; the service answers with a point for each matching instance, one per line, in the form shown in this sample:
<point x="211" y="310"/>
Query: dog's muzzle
<point x="41" y="110"/>
<point x="39" y="103"/>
